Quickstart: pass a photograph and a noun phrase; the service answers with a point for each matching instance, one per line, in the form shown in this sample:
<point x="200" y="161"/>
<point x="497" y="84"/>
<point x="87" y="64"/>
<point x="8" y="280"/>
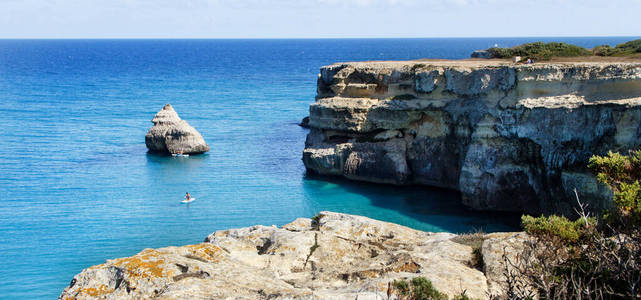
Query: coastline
<point x="331" y="256"/>
<point x="509" y="137"/>
<point x="80" y="187"/>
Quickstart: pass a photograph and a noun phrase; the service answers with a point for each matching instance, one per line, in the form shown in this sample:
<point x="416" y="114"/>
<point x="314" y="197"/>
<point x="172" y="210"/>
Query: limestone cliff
<point x="335" y="256"/>
<point x="508" y="137"/>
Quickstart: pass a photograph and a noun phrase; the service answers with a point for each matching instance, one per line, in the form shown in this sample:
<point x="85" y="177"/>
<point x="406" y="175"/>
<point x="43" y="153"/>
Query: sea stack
<point x="171" y="134"/>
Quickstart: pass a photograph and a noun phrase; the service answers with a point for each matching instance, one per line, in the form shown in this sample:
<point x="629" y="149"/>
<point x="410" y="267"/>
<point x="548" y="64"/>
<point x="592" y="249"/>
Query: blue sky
<point x="316" y="18"/>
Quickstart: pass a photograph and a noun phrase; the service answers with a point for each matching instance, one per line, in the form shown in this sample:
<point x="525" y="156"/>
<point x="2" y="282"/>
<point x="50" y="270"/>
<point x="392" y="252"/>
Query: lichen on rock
<point x="341" y="257"/>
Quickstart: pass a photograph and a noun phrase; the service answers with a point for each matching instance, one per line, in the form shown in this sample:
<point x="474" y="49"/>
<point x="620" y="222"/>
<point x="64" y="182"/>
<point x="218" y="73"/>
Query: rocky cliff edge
<point x="508" y="137"/>
<point x="334" y="256"/>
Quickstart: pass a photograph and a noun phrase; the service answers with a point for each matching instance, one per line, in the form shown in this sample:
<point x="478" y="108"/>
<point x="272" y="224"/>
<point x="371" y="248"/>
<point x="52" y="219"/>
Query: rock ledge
<point x="339" y="256"/>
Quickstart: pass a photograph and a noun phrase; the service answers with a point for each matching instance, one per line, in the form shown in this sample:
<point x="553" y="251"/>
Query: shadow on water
<point x="420" y="207"/>
<point x="153" y="157"/>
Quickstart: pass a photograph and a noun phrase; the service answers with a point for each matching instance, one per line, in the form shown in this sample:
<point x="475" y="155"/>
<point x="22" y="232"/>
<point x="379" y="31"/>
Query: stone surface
<point x="509" y="137"/>
<point x="496" y="248"/>
<point x="338" y="256"/>
<point x="170" y="134"/>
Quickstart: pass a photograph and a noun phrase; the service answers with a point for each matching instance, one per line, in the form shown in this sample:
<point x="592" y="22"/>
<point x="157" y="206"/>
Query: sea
<point x="77" y="186"/>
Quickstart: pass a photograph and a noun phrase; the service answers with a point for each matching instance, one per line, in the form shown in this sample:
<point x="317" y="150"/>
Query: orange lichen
<point x="96" y="292"/>
<point x="147" y="263"/>
<point x="206" y="251"/>
<point x="410" y="267"/>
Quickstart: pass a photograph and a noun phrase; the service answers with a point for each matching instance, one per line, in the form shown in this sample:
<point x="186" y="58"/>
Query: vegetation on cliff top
<point x="545" y="51"/>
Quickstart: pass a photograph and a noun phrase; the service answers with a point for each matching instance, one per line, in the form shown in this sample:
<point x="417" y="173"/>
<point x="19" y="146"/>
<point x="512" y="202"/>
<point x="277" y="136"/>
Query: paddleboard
<point x="188" y="201"/>
<point x="180" y="155"/>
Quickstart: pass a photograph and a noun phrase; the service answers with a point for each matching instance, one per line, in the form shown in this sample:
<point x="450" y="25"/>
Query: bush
<point x="540" y="51"/>
<point x="603" y="50"/>
<point x="587" y="258"/>
<point x="628" y="48"/>
<point x="402" y="287"/>
<point x="545" y="51"/>
<point x="419" y="289"/>
<point x="622" y="174"/>
<point x="423" y="289"/>
<point x="568" y="231"/>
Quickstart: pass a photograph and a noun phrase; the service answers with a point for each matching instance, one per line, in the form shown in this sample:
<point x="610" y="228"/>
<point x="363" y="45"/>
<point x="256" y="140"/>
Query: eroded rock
<point x="171" y="134"/>
<point x="509" y="137"/>
<point x="337" y="256"/>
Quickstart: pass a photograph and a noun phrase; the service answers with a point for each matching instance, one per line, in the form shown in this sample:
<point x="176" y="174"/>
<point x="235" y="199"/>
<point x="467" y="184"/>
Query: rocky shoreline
<point x="332" y="256"/>
<point x="509" y="137"/>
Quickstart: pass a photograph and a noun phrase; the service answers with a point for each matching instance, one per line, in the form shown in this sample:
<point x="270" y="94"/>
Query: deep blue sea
<point x="77" y="186"/>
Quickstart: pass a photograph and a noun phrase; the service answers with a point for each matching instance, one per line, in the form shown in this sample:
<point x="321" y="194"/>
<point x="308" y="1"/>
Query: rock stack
<point x="171" y="134"/>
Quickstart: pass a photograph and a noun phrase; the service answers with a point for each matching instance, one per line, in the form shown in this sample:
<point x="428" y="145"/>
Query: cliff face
<point x="508" y="137"/>
<point x="337" y="257"/>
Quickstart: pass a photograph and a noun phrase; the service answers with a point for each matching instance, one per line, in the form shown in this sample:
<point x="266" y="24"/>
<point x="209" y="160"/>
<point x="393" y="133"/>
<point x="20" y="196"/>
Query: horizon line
<point x="311" y="38"/>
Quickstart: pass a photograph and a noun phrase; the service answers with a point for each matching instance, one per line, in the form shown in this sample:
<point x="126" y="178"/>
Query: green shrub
<point x="501" y="52"/>
<point x="402" y="287"/>
<point x="545" y="51"/>
<point x="419" y="288"/>
<point x="624" y="49"/>
<point x="540" y="51"/>
<point x="622" y="174"/>
<point x="316" y="222"/>
<point x="423" y="289"/>
<point x="628" y="48"/>
<point x="586" y="259"/>
<point x="562" y="227"/>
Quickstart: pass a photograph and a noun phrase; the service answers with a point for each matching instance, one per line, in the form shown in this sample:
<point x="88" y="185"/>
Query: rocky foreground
<point x="509" y="137"/>
<point x="335" y="256"/>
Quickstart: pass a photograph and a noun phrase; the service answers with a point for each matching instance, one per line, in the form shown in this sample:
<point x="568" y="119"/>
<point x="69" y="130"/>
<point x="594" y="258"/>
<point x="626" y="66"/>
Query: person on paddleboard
<point x="187" y="197"/>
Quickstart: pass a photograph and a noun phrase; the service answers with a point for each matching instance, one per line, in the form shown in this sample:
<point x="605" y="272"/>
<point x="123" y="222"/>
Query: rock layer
<point x="170" y="134"/>
<point x="508" y="137"/>
<point x="336" y="256"/>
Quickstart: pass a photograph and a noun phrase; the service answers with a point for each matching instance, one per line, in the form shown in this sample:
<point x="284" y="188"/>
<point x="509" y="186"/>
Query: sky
<point x="316" y="18"/>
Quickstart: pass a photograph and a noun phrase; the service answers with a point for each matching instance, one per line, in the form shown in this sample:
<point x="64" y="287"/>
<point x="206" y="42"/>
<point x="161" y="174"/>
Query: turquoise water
<point x="77" y="186"/>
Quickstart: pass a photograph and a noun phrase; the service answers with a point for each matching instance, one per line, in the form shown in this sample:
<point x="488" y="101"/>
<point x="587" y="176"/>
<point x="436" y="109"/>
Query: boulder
<point x="171" y="134"/>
